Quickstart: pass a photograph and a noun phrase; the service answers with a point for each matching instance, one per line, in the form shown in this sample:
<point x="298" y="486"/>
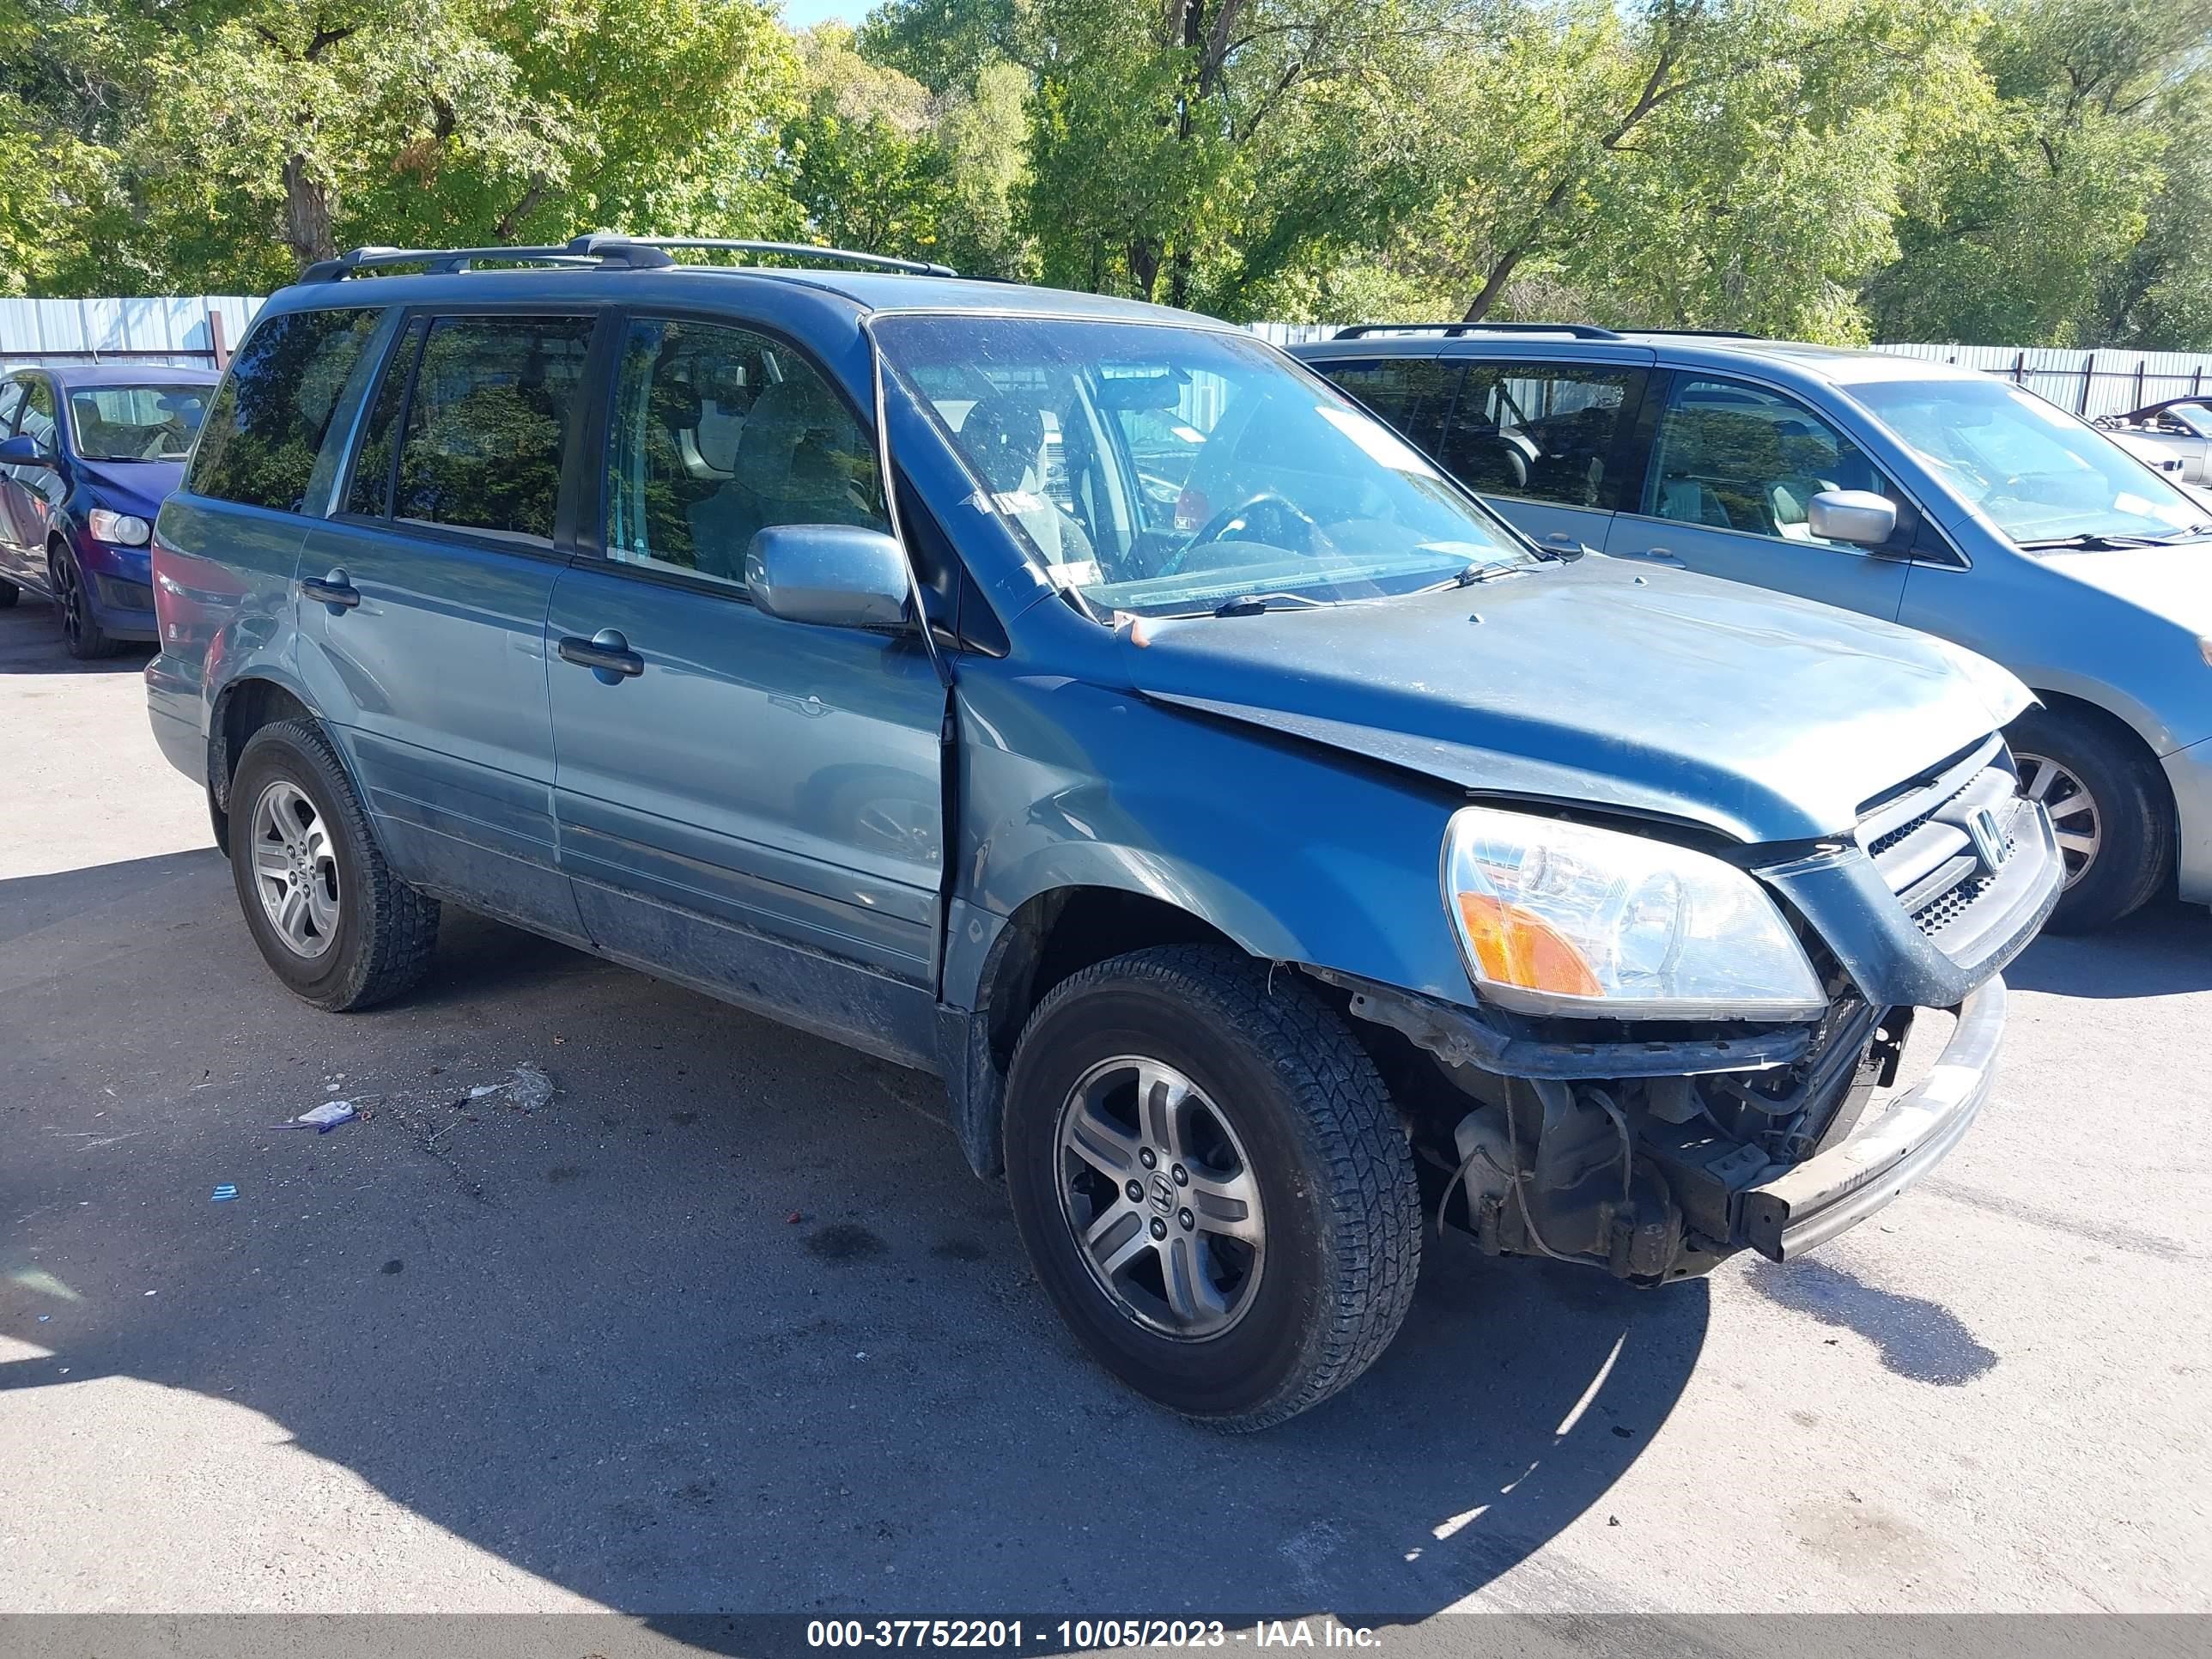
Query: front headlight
<point x="1559" y="918"/>
<point x="120" y="529"/>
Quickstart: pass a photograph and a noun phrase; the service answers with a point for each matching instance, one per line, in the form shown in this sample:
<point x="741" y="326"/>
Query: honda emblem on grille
<point x="1988" y="839"/>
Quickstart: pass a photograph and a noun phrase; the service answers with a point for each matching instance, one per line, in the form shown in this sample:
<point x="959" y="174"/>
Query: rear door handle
<point x="606" y="653"/>
<point x="1657" y="556"/>
<point x="336" y="590"/>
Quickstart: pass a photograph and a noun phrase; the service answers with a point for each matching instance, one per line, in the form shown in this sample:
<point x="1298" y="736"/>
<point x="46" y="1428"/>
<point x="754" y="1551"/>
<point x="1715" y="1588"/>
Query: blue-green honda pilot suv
<point x="1272" y="850"/>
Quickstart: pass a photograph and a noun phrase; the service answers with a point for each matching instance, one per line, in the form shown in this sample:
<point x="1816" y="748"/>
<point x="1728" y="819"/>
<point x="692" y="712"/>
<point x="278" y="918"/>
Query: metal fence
<point x="197" y="330"/>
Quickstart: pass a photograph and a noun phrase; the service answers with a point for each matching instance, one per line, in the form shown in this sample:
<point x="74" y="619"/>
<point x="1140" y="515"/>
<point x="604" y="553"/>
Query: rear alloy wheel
<point x="86" y="640"/>
<point x="2109" y="812"/>
<point x="332" y="920"/>
<point x="1212" y="1183"/>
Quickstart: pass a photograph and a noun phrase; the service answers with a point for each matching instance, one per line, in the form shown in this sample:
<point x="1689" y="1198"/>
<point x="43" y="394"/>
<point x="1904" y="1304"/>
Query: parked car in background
<point x="86" y="454"/>
<point x="1269" y="847"/>
<point x="2174" y="436"/>
<point x="1934" y="497"/>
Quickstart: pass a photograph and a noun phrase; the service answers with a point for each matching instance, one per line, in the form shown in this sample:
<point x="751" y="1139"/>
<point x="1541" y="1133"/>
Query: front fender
<point x="1296" y="852"/>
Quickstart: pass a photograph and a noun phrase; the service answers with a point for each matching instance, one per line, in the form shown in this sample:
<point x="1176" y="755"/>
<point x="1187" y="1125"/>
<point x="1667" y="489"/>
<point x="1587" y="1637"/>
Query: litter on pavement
<point x="223" y="1194"/>
<point x="324" y="1118"/>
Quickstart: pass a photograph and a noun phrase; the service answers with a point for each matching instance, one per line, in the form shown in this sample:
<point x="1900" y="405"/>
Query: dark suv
<point x="1267" y="844"/>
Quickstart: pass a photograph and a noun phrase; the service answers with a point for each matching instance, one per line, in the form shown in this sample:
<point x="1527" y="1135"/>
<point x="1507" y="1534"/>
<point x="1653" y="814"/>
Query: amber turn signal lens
<point x="1516" y="947"/>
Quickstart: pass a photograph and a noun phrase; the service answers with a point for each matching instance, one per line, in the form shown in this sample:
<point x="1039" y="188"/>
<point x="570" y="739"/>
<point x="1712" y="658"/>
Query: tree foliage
<point x="2020" y="171"/>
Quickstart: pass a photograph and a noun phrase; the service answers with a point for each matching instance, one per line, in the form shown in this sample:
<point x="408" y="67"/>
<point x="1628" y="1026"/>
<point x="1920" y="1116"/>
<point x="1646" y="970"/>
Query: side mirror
<point x="22" y="450"/>
<point x="1858" y="517"/>
<point x="834" y="575"/>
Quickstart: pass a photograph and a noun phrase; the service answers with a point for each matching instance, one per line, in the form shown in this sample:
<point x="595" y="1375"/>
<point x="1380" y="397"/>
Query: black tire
<point x="2134" y="818"/>
<point x="385" y="931"/>
<point x="1332" y="1169"/>
<point x="9" y="594"/>
<point x="86" y="640"/>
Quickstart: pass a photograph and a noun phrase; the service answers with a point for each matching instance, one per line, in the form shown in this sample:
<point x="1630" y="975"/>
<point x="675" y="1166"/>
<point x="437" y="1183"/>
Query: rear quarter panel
<point x="224" y="602"/>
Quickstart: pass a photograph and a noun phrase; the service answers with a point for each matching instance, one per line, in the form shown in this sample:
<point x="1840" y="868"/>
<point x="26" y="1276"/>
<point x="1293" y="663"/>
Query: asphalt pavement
<point x="727" y="1326"/>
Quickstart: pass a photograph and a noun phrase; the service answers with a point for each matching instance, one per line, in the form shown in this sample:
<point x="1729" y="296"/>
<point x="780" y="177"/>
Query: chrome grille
<point x="1922" y="837"/>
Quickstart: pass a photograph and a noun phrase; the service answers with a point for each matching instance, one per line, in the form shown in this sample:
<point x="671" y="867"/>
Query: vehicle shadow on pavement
<point x="728" y="1326"/>
<point x="2163" y="950"/>
<point x="31" y="643"/>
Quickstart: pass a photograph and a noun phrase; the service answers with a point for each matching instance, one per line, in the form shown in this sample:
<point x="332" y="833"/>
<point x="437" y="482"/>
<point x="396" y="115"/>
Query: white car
<point x="2174" y="437"/>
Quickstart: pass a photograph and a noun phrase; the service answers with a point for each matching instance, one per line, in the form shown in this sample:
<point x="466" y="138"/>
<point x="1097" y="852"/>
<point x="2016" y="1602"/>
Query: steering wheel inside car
<point x="1287" y="513"/>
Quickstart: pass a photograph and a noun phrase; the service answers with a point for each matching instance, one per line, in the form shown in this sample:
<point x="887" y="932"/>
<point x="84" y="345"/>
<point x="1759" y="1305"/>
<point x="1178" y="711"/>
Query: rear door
<point x="1731" y="469"/>
<point x="749" y="805"/>
<point x="1550" y="444"/>
<point x="423" y="601"/>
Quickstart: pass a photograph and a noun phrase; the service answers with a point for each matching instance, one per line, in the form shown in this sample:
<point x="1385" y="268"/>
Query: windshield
<point x="1162" y="470"/>
<point x="2039" y="475"/>
<point x="137" y="422"/>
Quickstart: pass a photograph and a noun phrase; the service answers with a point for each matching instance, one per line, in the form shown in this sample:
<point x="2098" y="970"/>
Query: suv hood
<point x="1657" y="693"/>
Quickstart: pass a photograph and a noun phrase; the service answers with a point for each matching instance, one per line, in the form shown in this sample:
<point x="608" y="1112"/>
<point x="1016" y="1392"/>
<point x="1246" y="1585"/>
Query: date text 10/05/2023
<point x="1013" y="1635"/>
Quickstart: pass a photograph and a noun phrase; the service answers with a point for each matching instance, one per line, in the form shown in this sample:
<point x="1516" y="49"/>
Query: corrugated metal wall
<point x="168" y="330"/>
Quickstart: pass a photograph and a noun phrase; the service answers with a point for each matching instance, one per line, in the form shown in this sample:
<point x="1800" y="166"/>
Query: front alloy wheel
<point x="1161" y="1196"/>
<point x="1212" y="1182"/>
<point x="2073" y="809"/>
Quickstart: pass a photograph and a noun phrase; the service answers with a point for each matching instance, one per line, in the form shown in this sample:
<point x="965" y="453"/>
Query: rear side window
<point x="259" y="444"/>
<point x="370" y="490"/>
<point x="1413" y="394"/>
<point x="1542" y="432"/>
<point x="487" y="424"/>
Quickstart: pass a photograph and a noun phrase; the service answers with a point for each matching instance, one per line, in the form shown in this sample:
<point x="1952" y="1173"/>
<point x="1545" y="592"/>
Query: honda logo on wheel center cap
<point x="1163" y="1193"/>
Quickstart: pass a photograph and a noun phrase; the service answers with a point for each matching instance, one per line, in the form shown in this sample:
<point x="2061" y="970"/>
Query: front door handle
<point x="336" y="590"/>
<point x="606" y="653"/>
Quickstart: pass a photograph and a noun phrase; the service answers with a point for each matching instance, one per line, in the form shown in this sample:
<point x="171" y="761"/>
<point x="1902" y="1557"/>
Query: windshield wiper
<point x="2089" y="541"/>
<point x="1251" y="604"/>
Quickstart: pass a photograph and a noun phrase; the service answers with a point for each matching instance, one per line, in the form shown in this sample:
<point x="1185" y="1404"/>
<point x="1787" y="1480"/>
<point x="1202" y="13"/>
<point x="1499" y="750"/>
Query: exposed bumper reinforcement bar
<point x="1810" y="1204"/>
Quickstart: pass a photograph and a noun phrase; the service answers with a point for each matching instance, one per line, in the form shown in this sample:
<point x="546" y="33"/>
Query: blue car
<point x="86" y="454"/>
<point x="1920" y="493"/>
<point x="1274" y="851"/>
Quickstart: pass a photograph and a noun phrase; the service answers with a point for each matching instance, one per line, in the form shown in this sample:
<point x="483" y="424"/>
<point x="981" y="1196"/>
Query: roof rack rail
<point x="461" y="259"/>
<point x="610" y="240"/>
<point x="1705" y="333"/>
<point x="1452" y="330"/>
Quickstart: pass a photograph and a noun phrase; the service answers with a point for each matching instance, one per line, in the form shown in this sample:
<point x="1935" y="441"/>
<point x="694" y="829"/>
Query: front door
<point x="30" y="495"/>
<point x="1734" y="468"/>
<point x="422" y="605"/>
<point x="749" y="805"/>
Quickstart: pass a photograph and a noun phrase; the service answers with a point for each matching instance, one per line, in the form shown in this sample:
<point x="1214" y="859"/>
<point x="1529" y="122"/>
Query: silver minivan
<point x="1938" y="498"/>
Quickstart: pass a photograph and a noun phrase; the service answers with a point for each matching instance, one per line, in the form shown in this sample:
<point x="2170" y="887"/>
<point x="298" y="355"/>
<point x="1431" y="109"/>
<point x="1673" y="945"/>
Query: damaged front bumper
<point x="1814" y="1200"/>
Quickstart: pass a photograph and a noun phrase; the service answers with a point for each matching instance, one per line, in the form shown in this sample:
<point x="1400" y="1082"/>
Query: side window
<point x="369" y="489"/>
<point x="1543" y="432"/>
<point x="39" y="412"/>
<point x="1413" y="394"/>
<point x="11" y="400"/>
<point x="1736" y="456"/>
<point x="259" y="441"/>
<point x="487" y="425"/>
<point x="720" y="433"/>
